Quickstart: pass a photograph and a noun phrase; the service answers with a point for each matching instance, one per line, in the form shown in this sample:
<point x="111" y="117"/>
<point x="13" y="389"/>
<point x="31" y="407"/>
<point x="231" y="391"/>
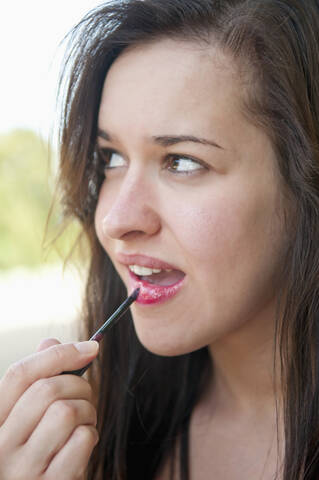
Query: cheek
<point x="232" y="247"/>
<point x="232" y="237"/>
<point x="206" y="230"/>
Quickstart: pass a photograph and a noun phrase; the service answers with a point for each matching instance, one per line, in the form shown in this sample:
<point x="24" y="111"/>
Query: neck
<point x="244" y="379"/>
<point x="240" y="411"/>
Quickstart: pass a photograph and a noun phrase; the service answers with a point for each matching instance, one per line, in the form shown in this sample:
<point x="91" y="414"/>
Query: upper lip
<point x="144" y="261"/>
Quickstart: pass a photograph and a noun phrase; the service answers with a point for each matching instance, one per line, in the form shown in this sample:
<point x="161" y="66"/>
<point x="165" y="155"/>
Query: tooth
<point x="143" y="271"/>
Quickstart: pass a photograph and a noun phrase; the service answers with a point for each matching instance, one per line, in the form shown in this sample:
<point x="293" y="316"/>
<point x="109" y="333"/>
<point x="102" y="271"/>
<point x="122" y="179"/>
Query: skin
<point x="221" y="224"/>
<point x="47" y="420"/>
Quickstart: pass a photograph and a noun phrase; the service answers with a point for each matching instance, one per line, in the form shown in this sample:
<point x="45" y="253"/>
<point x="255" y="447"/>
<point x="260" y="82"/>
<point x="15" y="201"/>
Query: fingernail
<point x="87" y="348"/>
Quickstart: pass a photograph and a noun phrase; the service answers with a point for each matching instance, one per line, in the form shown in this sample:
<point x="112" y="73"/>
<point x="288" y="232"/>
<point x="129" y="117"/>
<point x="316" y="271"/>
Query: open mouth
<point x="156" y="276"/>
<point x="156" y="285"/>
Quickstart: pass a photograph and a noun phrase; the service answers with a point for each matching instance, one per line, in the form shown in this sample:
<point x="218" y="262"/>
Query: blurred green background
<point x="27" y="183"/>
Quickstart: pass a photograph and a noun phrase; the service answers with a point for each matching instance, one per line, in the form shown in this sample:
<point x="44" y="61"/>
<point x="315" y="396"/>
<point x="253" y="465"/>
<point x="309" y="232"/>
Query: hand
<point x="47" y="420"/>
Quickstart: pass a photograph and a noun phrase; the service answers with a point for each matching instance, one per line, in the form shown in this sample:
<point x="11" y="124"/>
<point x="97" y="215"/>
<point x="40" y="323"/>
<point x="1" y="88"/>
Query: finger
<point x="54" y="430"/>
<point x="72" y="460"/>
<point x="44" y="364"/>
<point x="34" y="402"/>
<point x="46" y="343"/>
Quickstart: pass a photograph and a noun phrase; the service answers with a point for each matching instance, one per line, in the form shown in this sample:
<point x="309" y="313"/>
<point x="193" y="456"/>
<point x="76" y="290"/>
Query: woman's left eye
<point x="183" y="165"/>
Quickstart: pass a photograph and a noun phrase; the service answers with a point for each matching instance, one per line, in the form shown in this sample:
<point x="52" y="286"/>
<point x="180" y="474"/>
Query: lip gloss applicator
<point x="98" y="335"/>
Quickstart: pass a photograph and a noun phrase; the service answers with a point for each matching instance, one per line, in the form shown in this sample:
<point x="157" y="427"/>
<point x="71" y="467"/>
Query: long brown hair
<point x="277" y="42"/>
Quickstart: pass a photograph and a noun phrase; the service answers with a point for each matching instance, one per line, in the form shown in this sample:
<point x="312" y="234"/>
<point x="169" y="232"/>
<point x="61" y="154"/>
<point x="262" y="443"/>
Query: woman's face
<point x="192" y="190"/>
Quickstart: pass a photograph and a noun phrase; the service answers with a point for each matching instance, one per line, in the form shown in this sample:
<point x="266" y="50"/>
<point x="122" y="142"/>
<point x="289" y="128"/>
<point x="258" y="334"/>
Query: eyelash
<point x="105" y="155"/>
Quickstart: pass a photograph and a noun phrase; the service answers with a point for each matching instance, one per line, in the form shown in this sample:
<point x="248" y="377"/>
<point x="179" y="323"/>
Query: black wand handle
<point x="98" y="335"/>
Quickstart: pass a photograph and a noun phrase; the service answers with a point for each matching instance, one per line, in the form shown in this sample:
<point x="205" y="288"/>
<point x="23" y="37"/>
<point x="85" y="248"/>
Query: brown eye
<point x="183" y="165"/>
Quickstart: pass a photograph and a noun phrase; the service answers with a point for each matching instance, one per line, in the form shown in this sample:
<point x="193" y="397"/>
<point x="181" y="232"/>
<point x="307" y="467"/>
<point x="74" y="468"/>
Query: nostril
<point x="131" y="235"/>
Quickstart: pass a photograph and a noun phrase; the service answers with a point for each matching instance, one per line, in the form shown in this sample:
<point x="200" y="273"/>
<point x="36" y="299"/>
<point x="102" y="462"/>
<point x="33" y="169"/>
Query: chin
<point x="163" y="351"/>
<point x="166" y="344"/>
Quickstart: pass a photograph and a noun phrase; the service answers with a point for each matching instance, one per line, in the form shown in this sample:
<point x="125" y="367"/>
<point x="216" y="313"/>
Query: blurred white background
<point x="30" y="35"/>
<point x="40" y="300"/>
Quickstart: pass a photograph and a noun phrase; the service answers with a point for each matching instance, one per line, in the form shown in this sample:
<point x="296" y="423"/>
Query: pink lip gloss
<point x="151" y="293"/>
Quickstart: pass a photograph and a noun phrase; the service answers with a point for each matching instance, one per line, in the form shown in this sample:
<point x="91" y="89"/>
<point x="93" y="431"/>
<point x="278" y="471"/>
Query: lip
<point x="144" y="261"/>
<point x="150" y="293"/>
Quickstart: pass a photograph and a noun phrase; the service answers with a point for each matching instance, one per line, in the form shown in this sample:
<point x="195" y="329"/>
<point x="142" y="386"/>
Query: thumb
<point x="46" y="343"/>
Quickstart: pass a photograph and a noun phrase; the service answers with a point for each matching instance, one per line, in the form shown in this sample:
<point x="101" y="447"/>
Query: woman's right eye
<point x="111" y="159"/>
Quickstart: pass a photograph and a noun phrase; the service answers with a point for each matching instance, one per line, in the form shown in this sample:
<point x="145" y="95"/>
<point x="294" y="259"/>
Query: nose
<point x="131" y="210"/>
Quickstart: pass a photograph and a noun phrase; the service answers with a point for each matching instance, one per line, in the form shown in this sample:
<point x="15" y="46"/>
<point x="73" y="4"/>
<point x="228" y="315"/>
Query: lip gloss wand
<point x="98" y="335"/>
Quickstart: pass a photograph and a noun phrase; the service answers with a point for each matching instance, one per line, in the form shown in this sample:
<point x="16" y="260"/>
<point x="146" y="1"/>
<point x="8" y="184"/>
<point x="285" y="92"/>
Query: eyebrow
<point x="168" y="140"/>
<point x="103" y="134"/>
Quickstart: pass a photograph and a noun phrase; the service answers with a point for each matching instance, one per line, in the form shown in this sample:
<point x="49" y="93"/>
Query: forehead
<point x="170" y="84"/>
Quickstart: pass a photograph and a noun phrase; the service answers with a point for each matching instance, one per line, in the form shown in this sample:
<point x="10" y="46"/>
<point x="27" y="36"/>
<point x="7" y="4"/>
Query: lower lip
<point x="151" y="293"/>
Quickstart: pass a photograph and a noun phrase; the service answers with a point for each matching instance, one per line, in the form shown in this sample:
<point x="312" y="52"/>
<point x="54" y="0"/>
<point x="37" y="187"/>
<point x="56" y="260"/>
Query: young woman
<point x="190" y="154"/>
